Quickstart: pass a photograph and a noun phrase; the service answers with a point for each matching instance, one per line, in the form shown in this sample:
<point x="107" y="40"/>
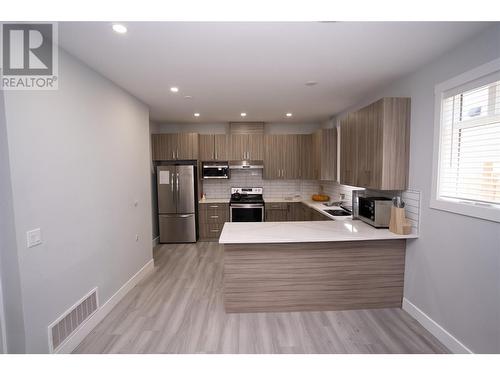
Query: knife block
<point x="398" y="223"/>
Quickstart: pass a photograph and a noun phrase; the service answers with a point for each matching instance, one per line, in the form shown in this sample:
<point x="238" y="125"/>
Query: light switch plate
<point x="34" y="237"/>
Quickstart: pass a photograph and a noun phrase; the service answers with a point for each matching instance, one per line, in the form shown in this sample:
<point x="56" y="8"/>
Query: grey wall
<point x="12" y="310"/>
<point x="453" y="269"/>
<point x="79" y="159"/>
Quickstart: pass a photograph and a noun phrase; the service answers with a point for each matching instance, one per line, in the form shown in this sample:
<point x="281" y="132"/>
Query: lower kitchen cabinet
<point x="212" y="217"/>
<point x="279" y="211"/>
<point x="292" y="211"/>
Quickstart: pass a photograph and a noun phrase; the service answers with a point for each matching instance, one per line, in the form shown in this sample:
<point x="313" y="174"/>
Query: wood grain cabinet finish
<point x="246" y="146"/>
<point x="307" y="157"/>
<point x="325" y="154"/>
<point x="213" y="147"/>
<point x="212" y="217"/>
<point x="375" y="143"/>
<point x="292" y="211"/>
<point x="282" y="157"/>
<point x="178" y="146"/>
<point x="277" y="212"/>
<point x="313" y="276"/>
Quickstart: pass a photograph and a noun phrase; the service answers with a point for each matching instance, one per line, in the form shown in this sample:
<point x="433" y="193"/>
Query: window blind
<point x="470" y="144"/>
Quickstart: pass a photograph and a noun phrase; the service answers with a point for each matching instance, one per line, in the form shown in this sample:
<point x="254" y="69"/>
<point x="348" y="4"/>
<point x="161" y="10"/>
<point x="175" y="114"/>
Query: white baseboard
<point x="446" y="338"/>
<point x="156" y="241"/>
<point x="77" y="337"/>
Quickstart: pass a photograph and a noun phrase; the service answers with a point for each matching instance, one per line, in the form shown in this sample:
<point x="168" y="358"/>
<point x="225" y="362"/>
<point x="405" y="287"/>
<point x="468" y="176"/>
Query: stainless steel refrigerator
<point x="177" y="203"/>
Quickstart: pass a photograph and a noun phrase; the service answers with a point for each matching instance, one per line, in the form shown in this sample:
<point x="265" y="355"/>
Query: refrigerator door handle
<point x="172" y="183"/>
<point x="178" y="192"/>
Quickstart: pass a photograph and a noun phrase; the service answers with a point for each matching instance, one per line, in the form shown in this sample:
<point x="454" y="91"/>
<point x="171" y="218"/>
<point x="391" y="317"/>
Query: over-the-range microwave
<point x="215" y="169"/>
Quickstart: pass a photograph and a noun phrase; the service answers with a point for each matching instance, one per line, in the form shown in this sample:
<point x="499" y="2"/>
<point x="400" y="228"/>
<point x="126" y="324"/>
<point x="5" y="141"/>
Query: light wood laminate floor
<point x="178" y="309"/>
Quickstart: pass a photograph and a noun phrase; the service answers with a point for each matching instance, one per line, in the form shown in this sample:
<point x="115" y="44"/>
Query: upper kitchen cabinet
<point x="213" y="147"/>
<point x="307" y="157"/>
<point x="375" y="143"/>
<point x="246" y="141"/>
<point x="348" y="150"/>
<point x="325" y="154"/>
<point x="282" y="156"/>
<point x="179" y="146"/>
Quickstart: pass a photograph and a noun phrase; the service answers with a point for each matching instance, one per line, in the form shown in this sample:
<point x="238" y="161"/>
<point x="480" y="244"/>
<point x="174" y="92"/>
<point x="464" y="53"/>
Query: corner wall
<point x="80" y="171"/>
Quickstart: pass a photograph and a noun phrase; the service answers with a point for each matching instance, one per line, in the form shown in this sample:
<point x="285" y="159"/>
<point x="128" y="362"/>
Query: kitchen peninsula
<point x="315" y="265"/>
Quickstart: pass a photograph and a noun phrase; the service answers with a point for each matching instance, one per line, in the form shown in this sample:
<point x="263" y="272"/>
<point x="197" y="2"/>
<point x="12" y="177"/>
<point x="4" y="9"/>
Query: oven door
<point x="241" y="212"/>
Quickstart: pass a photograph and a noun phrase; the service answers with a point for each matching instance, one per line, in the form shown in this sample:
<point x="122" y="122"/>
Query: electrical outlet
<point x="137" y="237"/>
<point x="33" y="237"/>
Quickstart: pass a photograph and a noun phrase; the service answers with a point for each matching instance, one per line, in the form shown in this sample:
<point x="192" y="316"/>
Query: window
<point x="467" y="170"/>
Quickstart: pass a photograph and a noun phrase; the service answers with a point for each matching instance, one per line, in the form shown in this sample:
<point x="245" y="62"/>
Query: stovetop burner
<point x="246" y="195"/>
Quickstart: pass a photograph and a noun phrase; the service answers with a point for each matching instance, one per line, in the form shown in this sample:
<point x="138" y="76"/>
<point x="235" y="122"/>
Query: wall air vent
<point x="63" y="327"/>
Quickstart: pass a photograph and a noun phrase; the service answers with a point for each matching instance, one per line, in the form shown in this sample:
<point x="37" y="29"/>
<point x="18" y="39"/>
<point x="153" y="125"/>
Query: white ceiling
<point x="257" y="68"/>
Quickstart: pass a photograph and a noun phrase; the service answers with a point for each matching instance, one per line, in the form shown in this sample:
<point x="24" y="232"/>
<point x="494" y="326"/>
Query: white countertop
<point x="305" y="231"/>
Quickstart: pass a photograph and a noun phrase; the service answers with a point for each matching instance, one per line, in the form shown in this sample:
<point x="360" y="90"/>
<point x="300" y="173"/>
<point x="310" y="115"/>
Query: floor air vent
<point x="67" y="323"/>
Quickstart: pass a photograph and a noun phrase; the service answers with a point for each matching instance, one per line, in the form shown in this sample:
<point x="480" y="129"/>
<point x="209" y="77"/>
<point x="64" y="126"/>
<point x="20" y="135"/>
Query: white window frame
<point x="478" y="210"/>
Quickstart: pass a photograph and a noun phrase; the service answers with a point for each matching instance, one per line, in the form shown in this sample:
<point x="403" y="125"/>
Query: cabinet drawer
<point x="277" y="206"/>
<point x="213" y="206"/>
<point x="214" y="215"/>
<point x="210" y="231"/>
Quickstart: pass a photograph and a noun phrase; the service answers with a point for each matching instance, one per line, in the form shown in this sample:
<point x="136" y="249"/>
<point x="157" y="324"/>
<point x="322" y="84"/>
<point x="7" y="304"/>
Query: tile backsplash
<point x="272" y="188"/>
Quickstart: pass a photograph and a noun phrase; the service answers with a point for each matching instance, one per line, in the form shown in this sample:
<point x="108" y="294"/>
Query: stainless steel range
<point x="246" y="204"/>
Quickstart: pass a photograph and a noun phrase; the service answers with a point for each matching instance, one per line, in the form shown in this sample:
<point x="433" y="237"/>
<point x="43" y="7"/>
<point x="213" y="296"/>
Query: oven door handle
<point x="246" y="205"/>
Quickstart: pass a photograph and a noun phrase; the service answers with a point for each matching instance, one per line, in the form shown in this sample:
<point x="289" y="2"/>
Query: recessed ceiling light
<point x="311" y="83"/>
<point x="188" y="97"/>
<point x="174" y="89"/>
<point x="289" y="114"/>
<point x="197" y="115"/>
<point x="243" y="114"/>
<point x="120" y="29"/>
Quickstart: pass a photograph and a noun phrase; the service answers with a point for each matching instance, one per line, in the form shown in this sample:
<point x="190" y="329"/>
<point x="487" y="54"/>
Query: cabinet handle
<point x="213" y="206"/>
<point x="214" y="230"/>
<point x="173" y="154"/>
<point x="216" y="156"/>
<point x="177" y="153"/>
<point x="214" y="217"/>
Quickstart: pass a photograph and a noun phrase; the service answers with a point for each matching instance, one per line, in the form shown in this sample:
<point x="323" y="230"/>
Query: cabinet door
<point x="290" y="149"/>
<point x="255" y="146"/>
<point x="306" y="163"/>
<point x="277" y="212"/>
<point x="362" y="152"/>
<point x="163" y="146"/>
<point x="272" y="157"/>
<point x="206" y="147"/>
<point x="220" y="147"/>
<point x="187" y="146"/>
<point x="238" y="146"/>
<point x="328" y="158"/>
<point x="348" y="150"/>
<point x="317" y="216"/>
<point x="316" y="154"/>
<point x="374" y="145"/>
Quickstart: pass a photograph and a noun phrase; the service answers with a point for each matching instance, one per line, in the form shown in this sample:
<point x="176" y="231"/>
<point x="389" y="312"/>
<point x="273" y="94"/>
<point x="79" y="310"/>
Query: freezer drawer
<point x="177" y="228"/>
